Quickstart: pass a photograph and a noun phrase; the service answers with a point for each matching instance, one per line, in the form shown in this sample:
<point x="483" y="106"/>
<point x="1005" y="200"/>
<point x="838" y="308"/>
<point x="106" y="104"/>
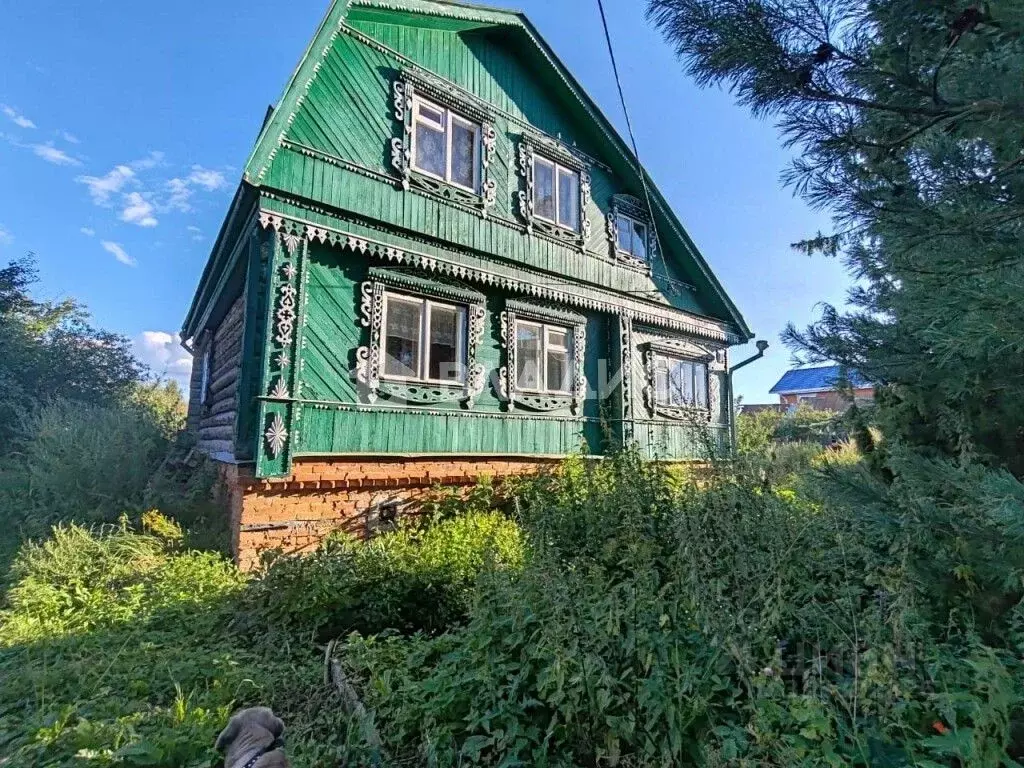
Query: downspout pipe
<point x="762" y="346"/>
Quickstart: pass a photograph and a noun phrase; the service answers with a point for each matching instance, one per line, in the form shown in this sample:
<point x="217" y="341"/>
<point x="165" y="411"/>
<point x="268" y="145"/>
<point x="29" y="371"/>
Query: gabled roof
<point x="516" y="23"/>
<point x="820" y="379"/>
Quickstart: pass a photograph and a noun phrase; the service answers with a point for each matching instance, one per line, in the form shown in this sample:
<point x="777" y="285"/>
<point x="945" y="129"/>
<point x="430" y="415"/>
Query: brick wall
<point x="294" y="514"/>
<point x="827" y="401"/>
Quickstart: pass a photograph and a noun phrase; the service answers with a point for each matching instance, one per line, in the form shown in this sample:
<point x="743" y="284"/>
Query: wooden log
<point x="334" y="674"/>
<point x="226" y="380"/>
<point x="216" y="446"/>
<point x="218" y="433"/>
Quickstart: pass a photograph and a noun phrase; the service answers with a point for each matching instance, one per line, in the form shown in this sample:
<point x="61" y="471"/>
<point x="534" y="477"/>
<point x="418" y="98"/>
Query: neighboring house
<point x="822" y="388"/>
<point x="441" y="263"/>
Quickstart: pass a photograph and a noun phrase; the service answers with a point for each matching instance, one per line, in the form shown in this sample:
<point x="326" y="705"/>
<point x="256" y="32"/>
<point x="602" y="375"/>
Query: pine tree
<point x="908" y="118"/>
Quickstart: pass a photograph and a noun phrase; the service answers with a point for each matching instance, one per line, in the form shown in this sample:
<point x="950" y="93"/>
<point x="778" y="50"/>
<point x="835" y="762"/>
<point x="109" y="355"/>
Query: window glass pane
<point x="569" y="199"/>
<point x="700" y="385"/>
<point x="544" y="189"/>
<point x="625" y="227"/>
<point x="687" y="379"/>
<point x="444" y="360"/>
<point x="463" y="154"/>
<point x="430" y="149"/>
<point x="639" y="241"/>
<point x="433" y="114"/>
<point x="402" y="338"/>
<point x="661" y="381"/>
<point x="557" y="370"/>
<point x="528" y="358"/>
<point x="675" y="383"/>
<point x="558" y="337"/>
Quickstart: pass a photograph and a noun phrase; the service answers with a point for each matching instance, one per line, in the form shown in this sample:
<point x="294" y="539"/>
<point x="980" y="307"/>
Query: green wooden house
<point x="442" y="260"/>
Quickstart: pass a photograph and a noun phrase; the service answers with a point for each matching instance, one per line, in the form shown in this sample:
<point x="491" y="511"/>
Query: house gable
<point x="328" y="141"/>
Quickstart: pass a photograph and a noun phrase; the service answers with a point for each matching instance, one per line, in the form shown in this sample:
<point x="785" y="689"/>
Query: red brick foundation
<point x="294" y="514"/>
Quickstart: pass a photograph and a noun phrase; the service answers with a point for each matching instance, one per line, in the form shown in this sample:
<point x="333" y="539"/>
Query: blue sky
<point x="124" y="127"/>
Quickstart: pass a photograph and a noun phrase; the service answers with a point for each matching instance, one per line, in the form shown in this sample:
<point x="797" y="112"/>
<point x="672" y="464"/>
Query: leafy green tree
<point x="50" y="350"/>
<point x="908" y="117"/>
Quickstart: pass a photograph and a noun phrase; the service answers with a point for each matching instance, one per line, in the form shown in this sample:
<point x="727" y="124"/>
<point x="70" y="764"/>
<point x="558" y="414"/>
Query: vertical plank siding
<point x="332" y="168"/>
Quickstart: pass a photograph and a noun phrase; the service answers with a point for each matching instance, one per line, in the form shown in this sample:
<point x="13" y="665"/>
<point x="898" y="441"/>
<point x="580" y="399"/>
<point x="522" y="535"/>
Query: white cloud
<point x="18" y="119"/>
<point x="207" y="179"/>
<point x="152" y="160"/>
<point x="6" y="238"/>
<point x="88" y="231"/>
<point x="69" y="137"/>
<point x="102" y="187"/>
<point x="138" y="210"/>
<point x="162" y="352"/>
<point x="51" y="154"/>
<point x="118" y="252"/>
<point x="180" y="193"/>
<point x="195" y="229"/>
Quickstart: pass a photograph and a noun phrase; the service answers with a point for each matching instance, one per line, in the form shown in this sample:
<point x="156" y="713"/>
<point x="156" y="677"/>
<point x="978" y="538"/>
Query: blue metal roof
<point x="815" y="379"/>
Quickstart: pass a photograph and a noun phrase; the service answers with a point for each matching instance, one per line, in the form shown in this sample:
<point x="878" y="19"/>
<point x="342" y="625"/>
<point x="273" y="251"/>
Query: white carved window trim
<point x="448" y="118"/>
<point x="426" y="307"/>
<point x="698" y="372"/>
<point x="545" y="329"/>
<point x="537" y="400"/>
<point x="412" y="88"/>
<point x="633" y="209"/>
<point x="531" y="150"/>
<point x="684" y="350"/>
<point x="369" y="370"/>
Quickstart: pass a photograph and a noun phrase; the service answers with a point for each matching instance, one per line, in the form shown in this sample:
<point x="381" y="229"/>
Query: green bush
<point x="759" y="432"/>
<point x="742" y="622"/>
<point x="416" y="578"/>
<point x="83" y="463"/>
<point x="119" y="647"/>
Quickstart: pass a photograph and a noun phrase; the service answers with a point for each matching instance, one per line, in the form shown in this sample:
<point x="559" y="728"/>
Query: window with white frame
<point x="556" y="193"/>
<point x="424" y="340"/>
<point x="631" y="237"/>
<point x="445" y="145"/>
<point x="680" y="383"/>
<point x="542" y="357"/>
<point x="204" y="373"/>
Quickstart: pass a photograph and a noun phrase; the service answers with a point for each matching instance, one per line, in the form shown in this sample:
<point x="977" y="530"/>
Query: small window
<point x="632" y="237"/>
<point x="542" y="358"/>
<point x="446" y="145"/>
<point x="680" y="383"/>
<point x="424" y="340"/>
<point x="556" y="193"/>
<point x="204" y="374"/>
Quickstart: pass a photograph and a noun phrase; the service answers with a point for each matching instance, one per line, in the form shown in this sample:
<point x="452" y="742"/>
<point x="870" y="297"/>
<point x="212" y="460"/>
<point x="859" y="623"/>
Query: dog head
<point x="249" y="732"/>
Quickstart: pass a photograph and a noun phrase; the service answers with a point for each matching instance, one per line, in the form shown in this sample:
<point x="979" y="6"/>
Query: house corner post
<point x="279" y="412"/>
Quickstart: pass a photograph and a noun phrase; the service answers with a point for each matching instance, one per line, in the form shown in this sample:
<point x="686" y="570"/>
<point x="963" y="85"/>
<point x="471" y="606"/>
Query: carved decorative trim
<point x="368" y="358"/>
<point x="507" y="386"/>
<point x="279" y="391"/>
<point x="276" y="436"/>
<point x="529" y="148"/>
<point x="687" y="350"/>
<point x="404" y="90"/>
<point x="445" y="289"/>
<point x="551" y="312"/>
<point x="662" y="317"/>
<point x="626" y="368"/>
<point x="634" y="208"/>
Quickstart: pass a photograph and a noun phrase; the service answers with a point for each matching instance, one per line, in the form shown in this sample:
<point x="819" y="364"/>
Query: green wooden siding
<point x="327" y="430"/>
<point x="330" y="206"/>
<point x="347" y="118"/>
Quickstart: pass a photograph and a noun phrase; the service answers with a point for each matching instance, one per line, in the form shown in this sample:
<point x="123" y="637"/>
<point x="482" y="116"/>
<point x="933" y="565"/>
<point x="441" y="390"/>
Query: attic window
<point x="631" y="238"/>
<point x="446" y="145"/>
<point x="631" y="232"/>
<point x="556" y="193"/>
